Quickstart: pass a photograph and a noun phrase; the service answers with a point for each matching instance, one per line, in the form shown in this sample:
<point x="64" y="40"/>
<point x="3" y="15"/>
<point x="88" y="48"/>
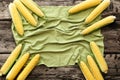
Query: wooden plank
<point x="114" y="7"/>
<point x="111" y="34"/>
<point x="6" y="39"/>
<point x="70" y="72"/>
<point x="4" y="12"/>
<point x="111" y="39"/>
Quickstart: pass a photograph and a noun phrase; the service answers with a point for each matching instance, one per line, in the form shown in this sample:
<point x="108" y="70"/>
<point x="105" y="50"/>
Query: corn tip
<point x="21" y="34"/>
<point x="114" y="17"/>
<point x="69" y="12"/>
<point x="88" y="56"/>
<point x="10" y="5"/>
<point x="107" y="0"/>
<point x="106" y="72"/>
<point x="92" y="42"/>
<point x="27" y="53"/>
<point x="86" y="21"/>
<point x="43" y="15"/>
<point x="81" y="62"/>
<point x="35" y="24"/>
<point x="20" y="45"/>
<point x="0" y="73"/>
<point x="83" y="33"/>
<point x="15" y="1"/>
<point x="38" y="55"/>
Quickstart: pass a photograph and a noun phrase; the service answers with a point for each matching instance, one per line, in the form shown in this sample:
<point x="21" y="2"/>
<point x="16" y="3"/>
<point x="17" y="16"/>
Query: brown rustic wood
<point x="111" y="34"/>
<point x="111" y="40"/>
<point x="70" y="72"/>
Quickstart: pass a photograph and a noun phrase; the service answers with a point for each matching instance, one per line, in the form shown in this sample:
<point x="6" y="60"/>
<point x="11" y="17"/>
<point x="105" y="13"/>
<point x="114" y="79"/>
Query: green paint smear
<point x="57" y="37"/>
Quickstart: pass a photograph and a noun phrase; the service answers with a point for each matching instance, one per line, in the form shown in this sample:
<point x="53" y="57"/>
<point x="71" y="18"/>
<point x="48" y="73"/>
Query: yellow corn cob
<point x="17" y="67"/>
<point x="86" y="72"/>
<point x="98" y="24"/>
<point x="94" y="68"/>
<point x="11" y="59"/>
<point x="97" y="11"/>
<point x="24" y="11"/>
<point x="16" y="19"/>
<point x="83" y="5"/>
<point x="99" y="57"/>
<point x="29" y="67"/>
<point x="33" y="7"/>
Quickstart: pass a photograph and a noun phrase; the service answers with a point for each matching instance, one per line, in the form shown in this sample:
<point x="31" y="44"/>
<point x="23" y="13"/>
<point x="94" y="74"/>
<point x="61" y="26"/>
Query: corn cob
<point x="10" y="60"/>
<point x="32" y="7"/>
<point x="94" y="68"/>
<point x="17" y="67"/>
<point x="16" y="19"/>
<point x="86" y="72"/>
<point x="99" y="57"/>
<point x="83" y="5"/>
<point x="97" y="11"/>
<point x="98" y="24"/>
<point x="29" y="67"/>
<point x="24" y="11"/>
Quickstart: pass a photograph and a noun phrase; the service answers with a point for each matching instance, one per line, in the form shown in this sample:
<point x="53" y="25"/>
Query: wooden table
<point x="111" y="40"/>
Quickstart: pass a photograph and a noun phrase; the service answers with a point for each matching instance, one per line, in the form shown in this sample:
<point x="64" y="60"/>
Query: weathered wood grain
<point x="4" y="12"/>
<point x="70" y="72"/>
<point x="111" y="40"/>
<point x="6" y="39"/>
<point x="111" y="34"/>
<point x="114" y="7"/>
